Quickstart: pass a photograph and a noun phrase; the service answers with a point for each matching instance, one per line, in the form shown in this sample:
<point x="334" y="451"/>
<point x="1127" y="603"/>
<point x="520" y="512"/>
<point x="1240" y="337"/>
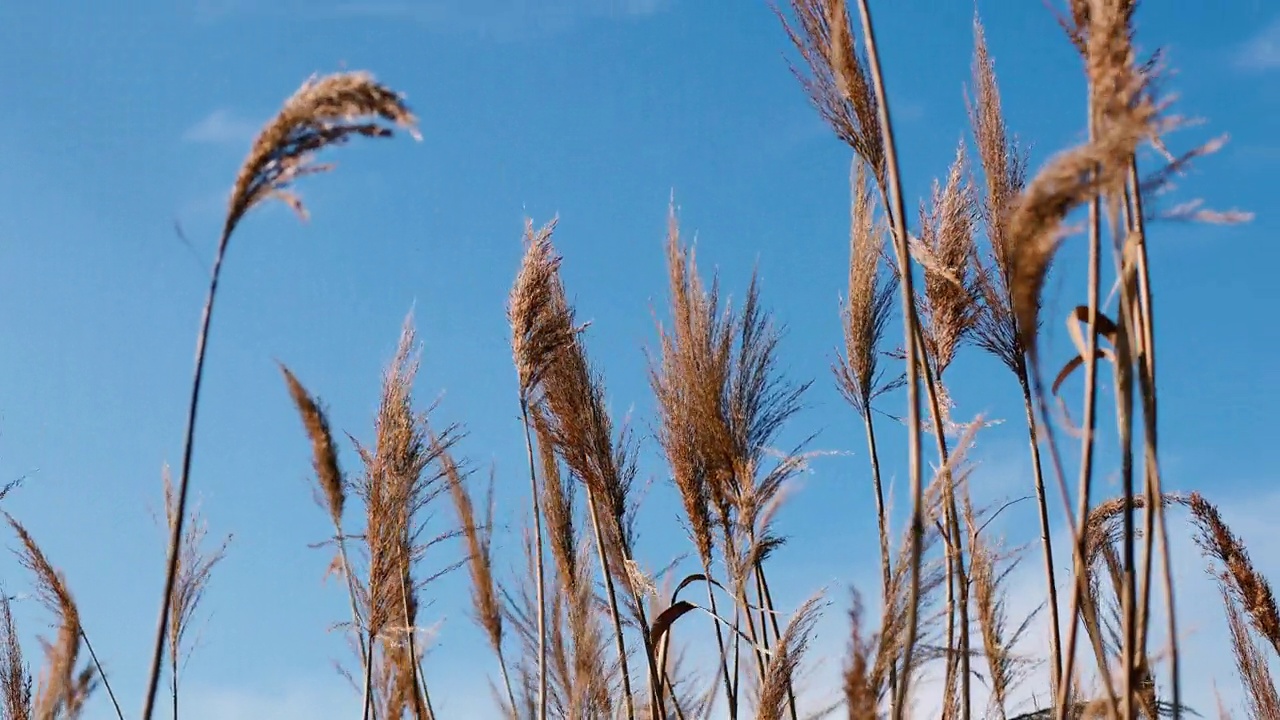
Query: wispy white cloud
<point x="298" y="701"/>
<point x="222" y="127"/>
<point x="324" y="695"/>
<point x="1262" y="51"/>
<point x="493" y="19"/>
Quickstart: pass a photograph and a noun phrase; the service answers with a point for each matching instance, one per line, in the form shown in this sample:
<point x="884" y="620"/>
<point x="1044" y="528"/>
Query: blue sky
<point x="124" y="118"/>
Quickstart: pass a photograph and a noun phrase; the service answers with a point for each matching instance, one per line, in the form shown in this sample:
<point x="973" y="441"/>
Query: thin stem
<point x="426" y="694"/>
<point x="1124" y="401"/>
<point x="613" y="602"/>
<point x="955" y="566"/>
<point x="358" y="623"/>
<point x="743" y="609"/>
<point x="1147" y="376"/>
<point x="886" y="569"/>
<point x="1088" y="432"/>
<point x="419" y="684"/>
<point x="737" y="650"/>
<point x="655" y="677"/>
<point x="764" y="622"/>
<point x="777" y="632"/>
<point x="1055" y="628"/>
<point x="188" y="447"/>
<point x="674" y="700"/>
<point x="886" y="566"/>
<point x="729" y="690"/>
<point x="506" y="680"/>
<point x="538" y="560"/>
<point x="752" y="636"/>
<point x="173" y="683"/>
<point x="368" y="682"/>
<point x="107" y="684"/>
<point x="912" y="322"/>
<point x="949" y="675"/>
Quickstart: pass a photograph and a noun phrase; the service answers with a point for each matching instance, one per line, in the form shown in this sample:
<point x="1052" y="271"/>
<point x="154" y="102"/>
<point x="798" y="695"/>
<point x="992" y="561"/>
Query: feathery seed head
<point x="323" y="112"/>
<point x="837" y="81"/>
<point x="324" y="454"/>
<point x="867" y="308"/>
<point x="538" y="329"/>
<point x="947" y="253"/>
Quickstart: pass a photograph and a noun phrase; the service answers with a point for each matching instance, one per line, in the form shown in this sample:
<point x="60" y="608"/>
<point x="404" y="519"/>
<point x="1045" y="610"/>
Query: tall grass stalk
<point x="322" y="113"/>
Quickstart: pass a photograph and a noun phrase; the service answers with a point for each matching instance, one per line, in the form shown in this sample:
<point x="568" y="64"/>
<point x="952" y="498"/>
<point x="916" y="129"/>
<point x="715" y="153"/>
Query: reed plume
<point x="865" y="315"/>
<point x="332" y="486"/>
<point x="15" y="676"/>
<point x="836" y="78"/>
<point x="401" y="480"/>
<point x="195" y="568"/>
<point x="946" y="252"/>
<point x="1004" y="176"/>
<point x="688" y="380"/>
<point x="867" y="307"/>
<point x="1065" y="183"/>
<point x="989" y="570"/>
<point x="537" y="334"/>
<point x="1237" y="573"/>
<point x="863" y="686"/>
<point x="779" y="681"/>
<point x="64" y="686"/>
<point x="1262" y="700"/>
<point x="1003" y="165"/>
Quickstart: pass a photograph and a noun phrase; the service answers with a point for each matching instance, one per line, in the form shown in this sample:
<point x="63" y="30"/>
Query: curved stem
<point x="188" y="447"/>
<point x="912" y="322"/>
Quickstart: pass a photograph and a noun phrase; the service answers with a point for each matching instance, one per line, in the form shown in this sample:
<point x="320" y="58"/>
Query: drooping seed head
<point x="323" y="112"/>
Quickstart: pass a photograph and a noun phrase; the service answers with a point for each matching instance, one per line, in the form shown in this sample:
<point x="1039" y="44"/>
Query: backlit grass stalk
<point x="537" y="335"/>
<point x="946" y="253"/>
<point x="1004" y="172"/>
<point x="1118" y="107"/>
<point x="687" y="380"/>
<point x="865" y="318"/>
<point x="572" y="401"/>
<point x="852" y="98"/>
<point x="322" y="113"/>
